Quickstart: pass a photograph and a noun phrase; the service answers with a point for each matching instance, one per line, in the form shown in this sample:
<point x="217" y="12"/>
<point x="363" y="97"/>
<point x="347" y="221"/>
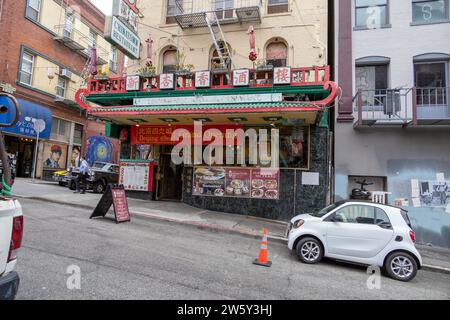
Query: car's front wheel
<point x="309" y="250"/>
<point x="401" y="266"/>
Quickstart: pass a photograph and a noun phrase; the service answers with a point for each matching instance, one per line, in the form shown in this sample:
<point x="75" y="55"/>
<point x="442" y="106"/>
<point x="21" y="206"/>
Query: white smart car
<point x="358" y="232"/>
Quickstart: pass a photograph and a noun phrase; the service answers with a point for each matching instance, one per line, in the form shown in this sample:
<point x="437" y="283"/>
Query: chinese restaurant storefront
<point x="289" y="111"/>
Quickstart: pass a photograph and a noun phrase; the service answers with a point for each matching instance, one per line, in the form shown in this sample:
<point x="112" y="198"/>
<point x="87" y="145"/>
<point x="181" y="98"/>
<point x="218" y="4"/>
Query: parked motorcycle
<point x="361" y="193"/>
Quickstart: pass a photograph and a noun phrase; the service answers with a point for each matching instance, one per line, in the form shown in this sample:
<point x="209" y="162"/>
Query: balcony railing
<point x="411" y="106"/>
<point x="305" y="76"/>
<point x="433" y="104"/>
<point x="193" y="13"/>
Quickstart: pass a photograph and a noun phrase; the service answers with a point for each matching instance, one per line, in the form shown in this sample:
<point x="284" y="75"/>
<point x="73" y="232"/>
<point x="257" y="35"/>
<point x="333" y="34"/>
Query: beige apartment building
<point x="288" y="32"/>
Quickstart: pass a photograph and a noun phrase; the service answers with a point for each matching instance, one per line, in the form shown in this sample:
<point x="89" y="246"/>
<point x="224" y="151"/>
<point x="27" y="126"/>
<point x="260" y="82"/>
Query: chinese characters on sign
<point x="241" y="77"/>
<point x="132" y="83"/>
<point x="202" y="79"/>
<point x="282" y="75"/>
<point x="162" y="135"/>
<point x="166" y="81"/>
<point x="236" y="182"/>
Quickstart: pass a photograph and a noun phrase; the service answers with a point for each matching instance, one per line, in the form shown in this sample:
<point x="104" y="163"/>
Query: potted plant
<point x="147" y="71"/>
<point x="262" y="66"/>
<point x="182" y="68"/>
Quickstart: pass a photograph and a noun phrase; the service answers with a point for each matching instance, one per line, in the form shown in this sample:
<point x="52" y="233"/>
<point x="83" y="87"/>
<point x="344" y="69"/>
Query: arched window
<point x="169" y="61"/>
<point x="276" y="54"/>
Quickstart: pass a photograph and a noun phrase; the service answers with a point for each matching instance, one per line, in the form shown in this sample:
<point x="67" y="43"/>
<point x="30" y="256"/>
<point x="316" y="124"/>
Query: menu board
<point x="120" y="205"/>
<point x="136" y="175"/>
<point x="114" y="195"/>
<point x="209" y="181"/>
<point x="265" y="183"/>
<point x="236" y="182"/>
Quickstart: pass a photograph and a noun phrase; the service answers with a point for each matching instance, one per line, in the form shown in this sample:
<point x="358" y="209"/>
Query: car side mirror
<point x="335" y="218"/>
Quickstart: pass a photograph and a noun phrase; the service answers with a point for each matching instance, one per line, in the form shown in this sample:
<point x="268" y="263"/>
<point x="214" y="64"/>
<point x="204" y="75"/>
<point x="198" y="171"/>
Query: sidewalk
<point x="434" y="259"/>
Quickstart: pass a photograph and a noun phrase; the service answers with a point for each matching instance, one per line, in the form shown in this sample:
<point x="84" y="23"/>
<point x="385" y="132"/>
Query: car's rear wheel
<point x="401" y="266"/>
<point x="99" y="187"/>
<point x="309" y="250"/>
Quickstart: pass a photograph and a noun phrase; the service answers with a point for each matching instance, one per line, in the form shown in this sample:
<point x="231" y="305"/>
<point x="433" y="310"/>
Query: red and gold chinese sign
<point x="162" y="135"/>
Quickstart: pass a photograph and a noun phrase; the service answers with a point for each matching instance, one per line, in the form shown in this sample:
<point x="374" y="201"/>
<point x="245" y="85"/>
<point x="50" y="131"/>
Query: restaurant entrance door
<point x="171" y="184"/>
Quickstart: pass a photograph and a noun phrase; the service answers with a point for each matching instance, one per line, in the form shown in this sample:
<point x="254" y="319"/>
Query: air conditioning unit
<point x="65" y="73"/>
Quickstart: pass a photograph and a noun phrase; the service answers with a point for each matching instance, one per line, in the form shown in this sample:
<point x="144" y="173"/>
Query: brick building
<point x="44" y="56"/>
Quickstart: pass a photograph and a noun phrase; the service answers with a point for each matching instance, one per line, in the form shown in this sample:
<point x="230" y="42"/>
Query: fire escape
<point x="197" y="13"/>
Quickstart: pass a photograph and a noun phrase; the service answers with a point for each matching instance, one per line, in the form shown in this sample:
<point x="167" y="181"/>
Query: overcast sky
<point x="104" y="5"/>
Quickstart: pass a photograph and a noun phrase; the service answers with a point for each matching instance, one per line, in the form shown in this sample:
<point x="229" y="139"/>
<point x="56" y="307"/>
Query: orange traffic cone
<point x="263" y="259"/>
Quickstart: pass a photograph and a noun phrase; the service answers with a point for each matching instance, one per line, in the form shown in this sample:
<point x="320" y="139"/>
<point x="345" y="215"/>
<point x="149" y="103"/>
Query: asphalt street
<point x="148" y="259"/>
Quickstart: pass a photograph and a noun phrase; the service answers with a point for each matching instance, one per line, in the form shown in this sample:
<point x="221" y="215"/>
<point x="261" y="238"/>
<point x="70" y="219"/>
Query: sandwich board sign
<point x="114" y="195"/>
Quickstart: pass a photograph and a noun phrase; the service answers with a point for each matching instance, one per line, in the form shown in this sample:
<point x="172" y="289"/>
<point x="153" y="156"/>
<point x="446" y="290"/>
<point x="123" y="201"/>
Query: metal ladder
<point x="211" y="24"/>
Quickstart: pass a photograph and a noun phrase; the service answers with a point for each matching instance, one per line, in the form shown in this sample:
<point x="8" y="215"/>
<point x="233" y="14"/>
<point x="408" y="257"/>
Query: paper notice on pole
<point x="415" y="190"/>
<point x="440" y="176"/>
<point x="448" y="208"/>
<point x="310" y="178"/>
<point x="416" y="202"/>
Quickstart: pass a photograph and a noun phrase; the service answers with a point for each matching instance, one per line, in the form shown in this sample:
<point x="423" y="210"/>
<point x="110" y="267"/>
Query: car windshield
<point x="326" y="210"/>
<point x="98" y="165"/>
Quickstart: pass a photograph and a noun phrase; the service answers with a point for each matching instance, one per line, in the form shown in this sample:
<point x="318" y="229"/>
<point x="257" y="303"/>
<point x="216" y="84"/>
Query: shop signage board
<point x="127" y="12"/>
<point x="29" y="115"/>
<point x="136" y="175"/>
<point x="241" y="77"/>
<point x="282" y="75"/>
<point x="132" y="83"/>
<point x="120" y="204"/>
<point x="120" y="35"/>
<point x="161" y="135"/>
<point x="166" y="81"/>
<point x="258" y="183"/>
<point x="198" y="99"/>
<point x="114" y="195"/>
<point x="202" y="79"/>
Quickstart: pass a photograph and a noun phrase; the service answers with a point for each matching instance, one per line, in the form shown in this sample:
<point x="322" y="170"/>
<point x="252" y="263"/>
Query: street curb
<point x="206" y="226"/>
<point x="436" y="269"/>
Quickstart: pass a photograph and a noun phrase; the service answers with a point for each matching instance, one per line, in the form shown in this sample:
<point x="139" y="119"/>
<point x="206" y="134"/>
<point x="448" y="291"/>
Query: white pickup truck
<point x="11" y="218"/>
<point x="11" y="229"/>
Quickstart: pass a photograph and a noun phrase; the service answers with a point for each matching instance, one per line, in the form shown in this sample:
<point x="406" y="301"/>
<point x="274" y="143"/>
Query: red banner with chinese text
<point x="162" y="135"/>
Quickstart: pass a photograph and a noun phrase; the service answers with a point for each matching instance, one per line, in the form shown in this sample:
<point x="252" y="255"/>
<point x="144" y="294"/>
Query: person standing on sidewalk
<point x="82" y="176"/>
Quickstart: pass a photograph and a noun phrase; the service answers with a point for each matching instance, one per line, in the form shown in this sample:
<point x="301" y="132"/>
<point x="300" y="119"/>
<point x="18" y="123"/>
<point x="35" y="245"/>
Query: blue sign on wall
<point x="29" y="111"/>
